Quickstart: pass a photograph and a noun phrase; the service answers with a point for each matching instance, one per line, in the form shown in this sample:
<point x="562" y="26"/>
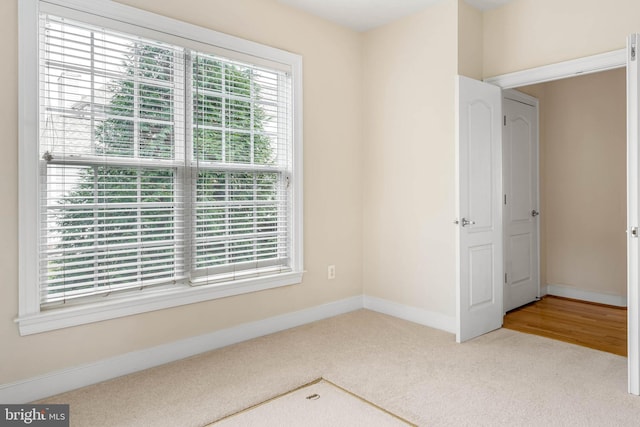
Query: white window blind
<point x="159" y="165"/>
<point x="241" y="123"/>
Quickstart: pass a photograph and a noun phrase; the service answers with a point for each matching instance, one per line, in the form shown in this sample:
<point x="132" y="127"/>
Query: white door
<point x="633" y="213"/>
<point x="479" y="161"/>
<point x="520" y="200"/>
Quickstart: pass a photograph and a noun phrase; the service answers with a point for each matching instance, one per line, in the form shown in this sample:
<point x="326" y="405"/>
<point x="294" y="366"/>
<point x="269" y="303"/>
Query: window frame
<point x="31" y="319"/>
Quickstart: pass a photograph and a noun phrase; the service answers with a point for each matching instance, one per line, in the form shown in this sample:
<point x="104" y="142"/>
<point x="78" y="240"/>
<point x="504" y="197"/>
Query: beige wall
<point x="408" y="151"/>
<point x="583" y="182"/>
<point x="333" y="207"/>
<point x="470" y="36"/>
<point x="529" y="33"/>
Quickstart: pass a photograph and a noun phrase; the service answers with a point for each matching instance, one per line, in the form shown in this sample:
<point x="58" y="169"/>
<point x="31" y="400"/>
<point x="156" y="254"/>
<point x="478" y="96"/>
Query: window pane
<point x="238" y="147"/>
<point x="156" y="102"/>
<point x="237" y="80"/>
<point x="106" y="93"/>
<point x="115" y="137"/>
<point x="238" y="218"/>
<point x="154" y="61"/>
<point x="245" y="104"/>
<point x="207" y="73"/>
<point x="207" y="145"/>
<point x="108" y="228"/>
<point x="156" y="140"/>
<point x="265" y="149"/>
<point x="239" y="114"/>
<point x="207" y="110"/>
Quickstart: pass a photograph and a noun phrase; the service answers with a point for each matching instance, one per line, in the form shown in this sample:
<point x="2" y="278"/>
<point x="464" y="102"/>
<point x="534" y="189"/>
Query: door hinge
<point x="633" y="52"/>
<point x="505" y="199"/>
<point x="634" y="232"/>
<point x="504" y="120"/>
<point x="505" y="277"/>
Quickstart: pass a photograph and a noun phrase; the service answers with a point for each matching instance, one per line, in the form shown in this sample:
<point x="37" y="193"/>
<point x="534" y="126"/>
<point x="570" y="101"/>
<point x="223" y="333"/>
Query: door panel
<point x="479" y="165"/>
<point x="480" y="276"/>
<point x="520" y="135"/>
<point x="520" y="145"/>
<point x="520" y="249"/>
<point x="479" y="162"/>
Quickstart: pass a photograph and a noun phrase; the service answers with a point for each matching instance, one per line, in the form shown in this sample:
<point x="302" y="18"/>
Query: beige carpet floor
<point x="504" y="378"/>
<point x="315" y="405"/>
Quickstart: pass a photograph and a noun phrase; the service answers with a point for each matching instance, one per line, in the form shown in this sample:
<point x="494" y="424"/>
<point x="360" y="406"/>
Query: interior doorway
<point x="582" y="174"/>
<point x="582" y="165"/>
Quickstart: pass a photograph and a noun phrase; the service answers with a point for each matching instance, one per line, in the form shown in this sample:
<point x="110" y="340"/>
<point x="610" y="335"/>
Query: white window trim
<point x="31" y="319"/>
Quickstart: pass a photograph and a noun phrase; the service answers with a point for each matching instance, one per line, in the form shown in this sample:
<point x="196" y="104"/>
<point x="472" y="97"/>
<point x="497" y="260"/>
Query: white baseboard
<point x="64" y="380"/>
<point x="412" y="314"/>
<point x="580" y="294"/>
<point x="80" y="376"/>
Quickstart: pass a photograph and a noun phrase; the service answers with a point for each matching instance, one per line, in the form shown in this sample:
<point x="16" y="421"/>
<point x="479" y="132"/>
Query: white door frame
<point x="591" y="64"/>
<point x="561" y="70"/>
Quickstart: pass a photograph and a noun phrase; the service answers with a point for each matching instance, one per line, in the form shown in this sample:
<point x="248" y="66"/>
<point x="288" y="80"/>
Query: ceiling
<point x="363" y="15"/>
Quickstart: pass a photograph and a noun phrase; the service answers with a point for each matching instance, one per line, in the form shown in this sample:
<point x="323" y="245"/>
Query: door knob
<point x="534" y="213"/>
<point x="466" y="222"/>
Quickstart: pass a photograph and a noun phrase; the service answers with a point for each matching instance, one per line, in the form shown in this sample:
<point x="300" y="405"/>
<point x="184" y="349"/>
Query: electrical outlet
<point x="331" y="272"/>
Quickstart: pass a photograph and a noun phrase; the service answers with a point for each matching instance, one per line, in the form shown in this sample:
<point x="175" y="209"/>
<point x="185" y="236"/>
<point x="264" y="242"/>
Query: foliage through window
<point x="160" y="165"/>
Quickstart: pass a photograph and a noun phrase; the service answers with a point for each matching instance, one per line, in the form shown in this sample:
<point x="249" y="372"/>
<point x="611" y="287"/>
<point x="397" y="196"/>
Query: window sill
<point x="113" y="308"/>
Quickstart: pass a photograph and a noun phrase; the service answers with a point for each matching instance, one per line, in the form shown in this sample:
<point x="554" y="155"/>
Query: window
<point x="167" y="170"/>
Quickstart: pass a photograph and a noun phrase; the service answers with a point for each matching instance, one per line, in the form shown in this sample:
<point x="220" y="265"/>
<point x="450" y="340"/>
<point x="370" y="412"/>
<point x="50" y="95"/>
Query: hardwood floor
<point x="591" y="325"/>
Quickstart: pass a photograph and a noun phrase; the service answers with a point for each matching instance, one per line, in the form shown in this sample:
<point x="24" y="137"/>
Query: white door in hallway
<point x="520" y="200"/>
<point x="479" y="222"/>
